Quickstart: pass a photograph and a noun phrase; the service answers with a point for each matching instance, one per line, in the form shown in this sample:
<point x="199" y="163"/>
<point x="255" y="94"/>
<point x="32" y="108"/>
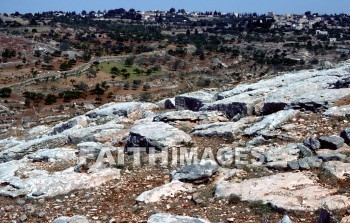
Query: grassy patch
<point x="258" y="207"/>
<point x="107" y="66"/>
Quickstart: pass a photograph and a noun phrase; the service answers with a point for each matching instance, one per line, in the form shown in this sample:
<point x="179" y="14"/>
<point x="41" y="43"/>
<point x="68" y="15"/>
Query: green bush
<point x="5" y="92"/>
<point x="50" y="99"/>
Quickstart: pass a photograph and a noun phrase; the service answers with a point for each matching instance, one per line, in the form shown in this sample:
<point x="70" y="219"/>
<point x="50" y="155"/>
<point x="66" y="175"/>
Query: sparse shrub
<point x="126" y="86"/>
<point x="50" y="99"/>
<point x="146" y="87"/>
<point x="147" y="97"/>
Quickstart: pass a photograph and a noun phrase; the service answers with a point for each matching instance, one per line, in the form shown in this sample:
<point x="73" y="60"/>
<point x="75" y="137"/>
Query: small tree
<point x="149" y="72"/>
<point x="37" y="53"/>
<point x="146" y="87"/>
<point x="129" y="61"/>
<point x="5" y="92"/>
<point x="115" y="70"/>
<point x="126" y="86"/>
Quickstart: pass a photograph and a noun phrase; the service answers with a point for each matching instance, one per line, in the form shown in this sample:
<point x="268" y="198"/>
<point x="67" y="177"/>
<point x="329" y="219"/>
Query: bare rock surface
<point x="53" y="155"/>
<point x="241" y="104"/>
<point x="289" y="90"/>
<point x="73" y="219"/>
<point x="61" y="127"/>
<point x="167" y="218"/>
<point x="24" y="148"/>
<point x="196" y="173"/>
<point x="92" y="133"/>
<point x="271" y="122"/>
<point x="156" y="134"/>
<point x="228" y="129"/>
<point x="337" y="168"/>
<point x="49" y="185"/>
<point x="194" y="100"/>
<point x="341" y="111"/>
<point x="164" y="191"/>
<point x="331" y="142"/>
<point x="288" y="191"/>
<point x="191" y="116"/>
<point x="123" y="109"/>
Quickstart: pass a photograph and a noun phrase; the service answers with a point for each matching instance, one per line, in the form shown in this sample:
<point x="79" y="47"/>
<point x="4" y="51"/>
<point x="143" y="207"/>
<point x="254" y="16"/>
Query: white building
<point x="322" y="33"/>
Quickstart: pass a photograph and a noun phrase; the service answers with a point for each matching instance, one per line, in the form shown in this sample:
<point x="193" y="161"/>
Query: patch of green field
<point x="107" y="66"/>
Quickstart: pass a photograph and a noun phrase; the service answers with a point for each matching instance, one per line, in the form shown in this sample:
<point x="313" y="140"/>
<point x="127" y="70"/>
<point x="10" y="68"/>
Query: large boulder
<point x="297" y="95"/>
<point x="24" y="148"/>
<point x="156" y="134"/>
<point x="194" y="100"/>
<point x="197" y="172"/>
<point x="331" y="142"/>
<point x="337" y="168"/>
<point x="241" y="104"/>
<point x="164" y="191"/>
<point x="271" y="122"/>
<point x="167" y="103"/>
<point x="285" y="191"/>
<point x="167" y="218"/>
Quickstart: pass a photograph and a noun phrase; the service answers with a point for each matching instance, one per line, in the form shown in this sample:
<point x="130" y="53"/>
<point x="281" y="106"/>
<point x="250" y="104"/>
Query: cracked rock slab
<point x="164" y="191"/>
<point x="191" y="116"/>
<point x="19" y="151"/>
<point x="288" y="191"/>
<point x="271" y="122"/>
<point x="228" y="129"/>
<point x="196" y="173"/>
<point x="194" y="101"/>
<point x="156" y="134"/>
<point x="57" y="183"/>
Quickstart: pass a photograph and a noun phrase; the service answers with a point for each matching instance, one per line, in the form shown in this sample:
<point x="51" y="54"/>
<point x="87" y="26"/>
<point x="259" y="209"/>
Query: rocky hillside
<point x="271" y="151"/>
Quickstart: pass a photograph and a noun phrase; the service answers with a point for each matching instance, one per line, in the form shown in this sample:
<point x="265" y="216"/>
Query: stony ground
<point x="293" y="129"/>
